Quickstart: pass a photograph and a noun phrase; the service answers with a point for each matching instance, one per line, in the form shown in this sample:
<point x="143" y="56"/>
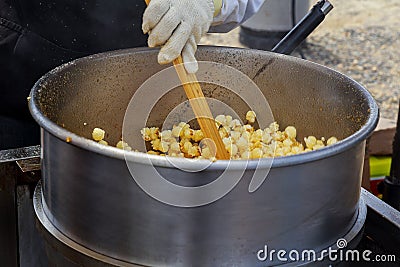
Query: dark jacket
<point x="36" y="36"/>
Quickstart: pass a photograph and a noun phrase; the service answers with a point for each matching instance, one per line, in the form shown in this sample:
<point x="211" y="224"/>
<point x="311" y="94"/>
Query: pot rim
<point x="140" y="157"/>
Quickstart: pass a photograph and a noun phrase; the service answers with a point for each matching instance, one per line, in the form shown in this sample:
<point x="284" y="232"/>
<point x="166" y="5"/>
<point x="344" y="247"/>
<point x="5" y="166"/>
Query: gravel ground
<point x="359" y="38"/>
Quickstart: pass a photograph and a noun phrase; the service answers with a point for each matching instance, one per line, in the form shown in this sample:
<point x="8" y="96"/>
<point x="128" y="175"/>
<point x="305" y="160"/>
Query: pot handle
<point x="303" y="28"/>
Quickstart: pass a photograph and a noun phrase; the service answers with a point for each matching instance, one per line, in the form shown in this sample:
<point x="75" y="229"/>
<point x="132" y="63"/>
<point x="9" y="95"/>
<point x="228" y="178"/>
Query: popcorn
<point x="310" y="141"/>
<point x="241" y="141"/>
<point x="98" y="134"/>
<point x="251" y="116"/>
<point x="198" y="136"/>
<point x="102" y="142"/>
<point x="291" y="132"/>
<point x="123" y="145"/>
<point x="150" y="134"/>
<point x="331" y="141"/>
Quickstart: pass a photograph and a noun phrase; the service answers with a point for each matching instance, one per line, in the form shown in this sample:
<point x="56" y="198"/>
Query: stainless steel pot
<point x="307" y="202"/>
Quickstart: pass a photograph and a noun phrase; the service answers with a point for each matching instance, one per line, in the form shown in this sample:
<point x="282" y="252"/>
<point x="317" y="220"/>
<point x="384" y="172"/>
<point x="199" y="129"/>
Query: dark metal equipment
<point x="302" y="29"/>
<point x="254" y="36"/>
<point x="391" y="188"/>
<point x="41" y="244"/>
<point x="20" y="242"/>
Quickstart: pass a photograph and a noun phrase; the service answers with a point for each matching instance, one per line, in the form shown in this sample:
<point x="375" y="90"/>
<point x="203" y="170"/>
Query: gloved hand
<point x="178" y="26"/>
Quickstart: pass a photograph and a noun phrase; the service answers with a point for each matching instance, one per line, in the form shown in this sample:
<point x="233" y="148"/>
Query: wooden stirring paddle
<point x="200" y="108"/>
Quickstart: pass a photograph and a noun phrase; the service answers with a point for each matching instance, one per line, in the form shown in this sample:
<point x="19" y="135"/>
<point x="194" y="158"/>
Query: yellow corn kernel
<point x="320" y="143"/>
<point x="123" y="145"/>
<point x="98" y="134"/>
<point x="278" y="136"/>
<point x="164" y="146"/>
<point x="166" y="135"/>
<point x="183" y="141"/>
<point x="187" y="133"/>
<point x="235" y="135"/>
<point x="228" y="120"/>
<point x="256" y="153"/>
<point x="242" y="144"/>
<point x="268" y="151"/>
<point x="246" y="155"/>
<point x="232" y="149"/>
<point x="193" y="151"/>
<point x="184" y="126"/>
<point x="235" y="125"/>
<point x="176" y="131"/>
<point x="310" y="141"/>
<point x="221" y="120"/>
<point x="154" y="133"/>
<point x="152" y="152"/>
<point x="286" y="150"/>
<point x="145" y="134"/>
<point x="251" y="116"/>
<point x="198" y="136"/>
<point x="278" y="152"/>
<point x="179" y="155"/>
<point x="266" y="138"/>
<point x="257" y="144"/>
<point x="103" y="142"/>
<point x="296" y="150"/>
<point x="273" y="127"/>
<point x="155" y="144"/>
<point x="256" y="136"/>
<point x="268" y="131"/>
<point x="287" y="143"/>
<point x="248" y="128"/>
<point x="246" y="135"/>
<point x="174" y="147"/>
<point x="186" y="147"/>
<point x="291" y="132"/>
<point x="332" y="140"/>
<point x="318" y="146"/>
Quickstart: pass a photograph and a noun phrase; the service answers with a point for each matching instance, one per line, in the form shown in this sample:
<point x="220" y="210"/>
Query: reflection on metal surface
<point x="326" y="7"/>
<point x="19" y="153"/>
<point x="28" y="165"/>
<point x="385" y="210"/>
<point x="82" y="254"/>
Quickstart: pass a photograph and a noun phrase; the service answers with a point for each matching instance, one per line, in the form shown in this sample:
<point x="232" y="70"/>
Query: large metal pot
<point x="307" y="202"/>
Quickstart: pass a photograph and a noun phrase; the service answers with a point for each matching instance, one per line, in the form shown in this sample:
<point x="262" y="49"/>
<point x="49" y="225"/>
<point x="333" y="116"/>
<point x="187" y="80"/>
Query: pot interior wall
<point x="95" y="92"/>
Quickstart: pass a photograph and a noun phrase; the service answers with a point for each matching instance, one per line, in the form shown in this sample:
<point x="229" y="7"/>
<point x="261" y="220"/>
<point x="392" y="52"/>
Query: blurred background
<point x="359" y="38"/>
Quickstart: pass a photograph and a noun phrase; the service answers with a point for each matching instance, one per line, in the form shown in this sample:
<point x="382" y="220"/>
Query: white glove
<point x="178" y="26"/>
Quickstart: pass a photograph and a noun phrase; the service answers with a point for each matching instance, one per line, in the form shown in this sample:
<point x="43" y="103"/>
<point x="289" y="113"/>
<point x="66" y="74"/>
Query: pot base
<point x="62" y="251"/>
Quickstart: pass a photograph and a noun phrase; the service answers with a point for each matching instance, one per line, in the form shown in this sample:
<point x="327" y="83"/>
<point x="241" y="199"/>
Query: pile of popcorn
<point x="241" y="141"/>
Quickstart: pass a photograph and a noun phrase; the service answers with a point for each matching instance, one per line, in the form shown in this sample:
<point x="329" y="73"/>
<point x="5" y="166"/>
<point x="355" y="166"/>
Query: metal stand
<point x="20" y="242"/>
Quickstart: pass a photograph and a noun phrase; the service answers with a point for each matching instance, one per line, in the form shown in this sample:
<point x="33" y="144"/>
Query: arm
<point x="233" y="13"/>
<point x="178" y="25"/>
